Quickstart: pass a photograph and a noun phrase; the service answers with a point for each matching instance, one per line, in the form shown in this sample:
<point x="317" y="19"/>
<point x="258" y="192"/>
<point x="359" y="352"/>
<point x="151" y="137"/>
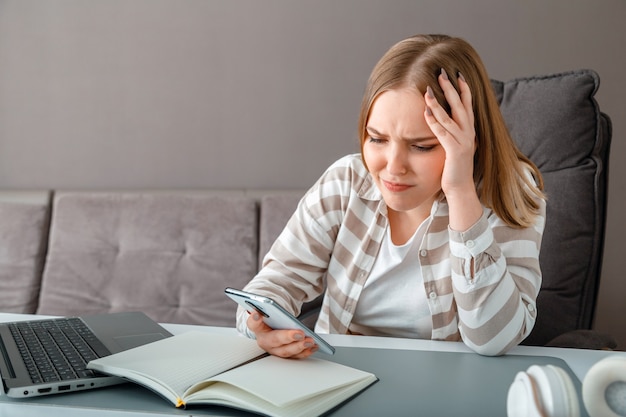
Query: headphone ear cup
<point x="523" y="397"/>
<point x="558" y="394"/>
<point x="604" y="388"/>
<point x="565" y="390"/>
<point x="542" y="391"/>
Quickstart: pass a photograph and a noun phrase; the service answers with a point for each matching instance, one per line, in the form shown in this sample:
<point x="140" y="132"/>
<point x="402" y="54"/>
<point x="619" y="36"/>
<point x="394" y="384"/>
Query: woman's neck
<point x="404" y="224"/>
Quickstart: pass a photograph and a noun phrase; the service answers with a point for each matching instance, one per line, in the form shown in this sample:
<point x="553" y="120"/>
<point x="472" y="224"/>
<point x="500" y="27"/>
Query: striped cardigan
<point x="333" y="238"/>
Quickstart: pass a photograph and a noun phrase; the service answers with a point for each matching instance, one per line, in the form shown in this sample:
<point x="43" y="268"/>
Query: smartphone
<point x="275" y="316"/>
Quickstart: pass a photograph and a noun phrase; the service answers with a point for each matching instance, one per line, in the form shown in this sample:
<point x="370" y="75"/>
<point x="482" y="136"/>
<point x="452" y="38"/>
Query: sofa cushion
<point x="555" y="120"/>
<point x="23" y="236"/>
<point x="168" y="255"/>
<point x="275" y="211"/>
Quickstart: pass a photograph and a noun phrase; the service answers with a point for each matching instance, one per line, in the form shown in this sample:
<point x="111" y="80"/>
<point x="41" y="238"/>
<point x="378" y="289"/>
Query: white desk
<point x="578" y="360"/>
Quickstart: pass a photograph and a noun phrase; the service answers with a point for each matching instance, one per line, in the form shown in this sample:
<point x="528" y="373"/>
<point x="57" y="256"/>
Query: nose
<point x="397" y="161"/>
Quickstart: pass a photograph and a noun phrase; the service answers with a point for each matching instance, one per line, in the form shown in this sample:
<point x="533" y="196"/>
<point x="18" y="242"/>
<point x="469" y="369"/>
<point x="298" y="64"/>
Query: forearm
<point x="496" y="280"/>
<point x="291" y="274"/>
<point x="465" y="208"/>
<point x="499" y="322"/>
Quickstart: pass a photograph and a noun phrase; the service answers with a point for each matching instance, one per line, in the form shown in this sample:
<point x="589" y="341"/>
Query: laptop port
<point x="64" y="387"/>
<point x="44" y="390"/>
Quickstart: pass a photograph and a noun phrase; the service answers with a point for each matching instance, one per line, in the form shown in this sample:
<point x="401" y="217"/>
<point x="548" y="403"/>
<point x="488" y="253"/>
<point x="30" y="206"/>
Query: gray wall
<point x="250" y="93"/>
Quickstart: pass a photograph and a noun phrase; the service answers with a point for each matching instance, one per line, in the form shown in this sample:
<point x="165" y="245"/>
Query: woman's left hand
<point x="456" y="134"/>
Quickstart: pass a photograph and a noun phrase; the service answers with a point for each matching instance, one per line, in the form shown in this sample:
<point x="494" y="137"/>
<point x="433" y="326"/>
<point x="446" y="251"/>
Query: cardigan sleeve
<point x="496" y="278"/>
<point x="293" y="270"/>
<point x="296" y="269"/>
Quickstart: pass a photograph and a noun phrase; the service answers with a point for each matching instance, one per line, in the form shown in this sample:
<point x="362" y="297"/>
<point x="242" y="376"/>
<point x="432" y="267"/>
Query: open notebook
<point x="197" y="368"/>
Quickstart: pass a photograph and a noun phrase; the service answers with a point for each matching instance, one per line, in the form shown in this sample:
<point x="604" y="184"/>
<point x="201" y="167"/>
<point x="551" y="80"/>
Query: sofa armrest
<point x="24" y="221"/>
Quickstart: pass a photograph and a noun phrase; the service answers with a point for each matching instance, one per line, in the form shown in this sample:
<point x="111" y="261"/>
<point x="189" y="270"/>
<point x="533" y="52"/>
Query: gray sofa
<point x="167" y="253"/>
<point x="171" y="253"/>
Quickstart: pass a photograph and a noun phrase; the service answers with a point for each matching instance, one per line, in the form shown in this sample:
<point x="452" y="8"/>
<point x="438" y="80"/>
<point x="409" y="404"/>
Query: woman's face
<point x="402" y="154"/>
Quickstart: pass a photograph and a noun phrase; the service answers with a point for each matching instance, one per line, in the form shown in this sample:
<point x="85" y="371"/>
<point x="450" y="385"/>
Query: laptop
<point x="48" y="356"/>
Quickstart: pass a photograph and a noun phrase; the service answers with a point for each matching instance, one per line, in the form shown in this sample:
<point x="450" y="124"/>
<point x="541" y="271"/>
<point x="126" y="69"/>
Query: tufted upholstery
<point x="169" y="255"/>
<point x="275" y="210"/>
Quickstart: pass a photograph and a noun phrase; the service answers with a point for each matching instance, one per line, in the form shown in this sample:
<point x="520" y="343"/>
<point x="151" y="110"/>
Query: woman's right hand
<point x="282" y="343"/>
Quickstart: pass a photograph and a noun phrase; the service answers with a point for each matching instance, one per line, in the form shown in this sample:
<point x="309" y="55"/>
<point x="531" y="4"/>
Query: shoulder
<point x="346" y="167"/>
<point x="344" y="187"/>
<point x="349" y="175"/>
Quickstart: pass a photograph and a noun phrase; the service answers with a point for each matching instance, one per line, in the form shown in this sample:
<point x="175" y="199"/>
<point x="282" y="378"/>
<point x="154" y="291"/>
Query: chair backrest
<point x="556" y="121"/>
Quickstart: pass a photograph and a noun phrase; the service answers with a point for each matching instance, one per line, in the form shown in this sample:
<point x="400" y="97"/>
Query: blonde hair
<point x="499" y="166"/>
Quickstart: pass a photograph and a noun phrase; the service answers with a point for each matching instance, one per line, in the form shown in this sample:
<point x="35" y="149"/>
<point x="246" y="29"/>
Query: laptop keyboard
<point x="58" y="349"/>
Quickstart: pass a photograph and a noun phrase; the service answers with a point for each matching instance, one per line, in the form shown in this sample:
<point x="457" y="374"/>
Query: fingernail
<point x="430" y="93"/>
<point x="461" y="77"/>
<point x="309" y="345"/>
<point x="297" y="336"/>
<point x="444" y="74"/>
<point x="429" y="111"/>
<point x="256" y="316"/>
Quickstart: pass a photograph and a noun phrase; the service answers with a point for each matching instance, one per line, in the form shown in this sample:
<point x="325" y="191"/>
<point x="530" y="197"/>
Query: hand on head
<point x="282" y="343"/>
<point x="456" y="133"/>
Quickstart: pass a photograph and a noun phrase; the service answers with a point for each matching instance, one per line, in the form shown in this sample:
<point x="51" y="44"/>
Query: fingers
<point x="461" y="124"/>
<point x="460" y="105"/>
<point x="256" y="325"/>
<point x="466" y="97"/>
<point x="460" y="102"/>
<point x="450" y="93"/>
<point x="282" y="343"/>
<point x="456" y="134"/>
<point x="438" y="120"/>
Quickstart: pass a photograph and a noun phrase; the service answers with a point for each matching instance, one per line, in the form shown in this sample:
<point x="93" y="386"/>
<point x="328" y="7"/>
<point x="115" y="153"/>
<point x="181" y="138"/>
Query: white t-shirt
<point x="393" y="301"/>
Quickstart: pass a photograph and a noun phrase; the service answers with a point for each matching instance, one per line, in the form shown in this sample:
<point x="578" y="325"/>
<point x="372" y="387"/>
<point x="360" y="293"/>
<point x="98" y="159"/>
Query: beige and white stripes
<point x="481" y="284"/>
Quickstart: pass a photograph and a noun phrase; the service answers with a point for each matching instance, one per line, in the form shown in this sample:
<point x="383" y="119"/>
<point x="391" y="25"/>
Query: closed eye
<point x="376" y="140"/>
<point x="423" y="148"/>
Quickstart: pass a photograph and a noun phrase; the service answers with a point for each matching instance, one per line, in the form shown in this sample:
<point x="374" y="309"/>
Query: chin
<point x="397" y="205"/>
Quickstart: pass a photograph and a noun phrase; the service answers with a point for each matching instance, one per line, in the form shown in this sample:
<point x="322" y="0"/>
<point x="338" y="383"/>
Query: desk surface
<point x="408" y="369"/>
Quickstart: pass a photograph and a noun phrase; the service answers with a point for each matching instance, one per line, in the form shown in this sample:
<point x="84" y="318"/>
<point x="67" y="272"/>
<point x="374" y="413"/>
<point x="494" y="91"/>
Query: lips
<point x="395" y="187"/>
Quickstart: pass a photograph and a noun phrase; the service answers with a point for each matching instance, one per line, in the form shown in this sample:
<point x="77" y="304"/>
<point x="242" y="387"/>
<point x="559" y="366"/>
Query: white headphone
<point x="548" y="391"/>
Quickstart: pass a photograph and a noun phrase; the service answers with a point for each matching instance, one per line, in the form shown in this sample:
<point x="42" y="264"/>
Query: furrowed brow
<point x="373" y="132"/>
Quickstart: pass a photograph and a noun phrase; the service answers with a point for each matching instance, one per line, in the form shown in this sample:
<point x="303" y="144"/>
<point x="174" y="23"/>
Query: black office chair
<point x="556" y="121"/>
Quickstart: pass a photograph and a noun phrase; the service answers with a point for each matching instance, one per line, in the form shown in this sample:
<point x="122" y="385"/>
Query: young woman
<point x="433" y="231"/>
